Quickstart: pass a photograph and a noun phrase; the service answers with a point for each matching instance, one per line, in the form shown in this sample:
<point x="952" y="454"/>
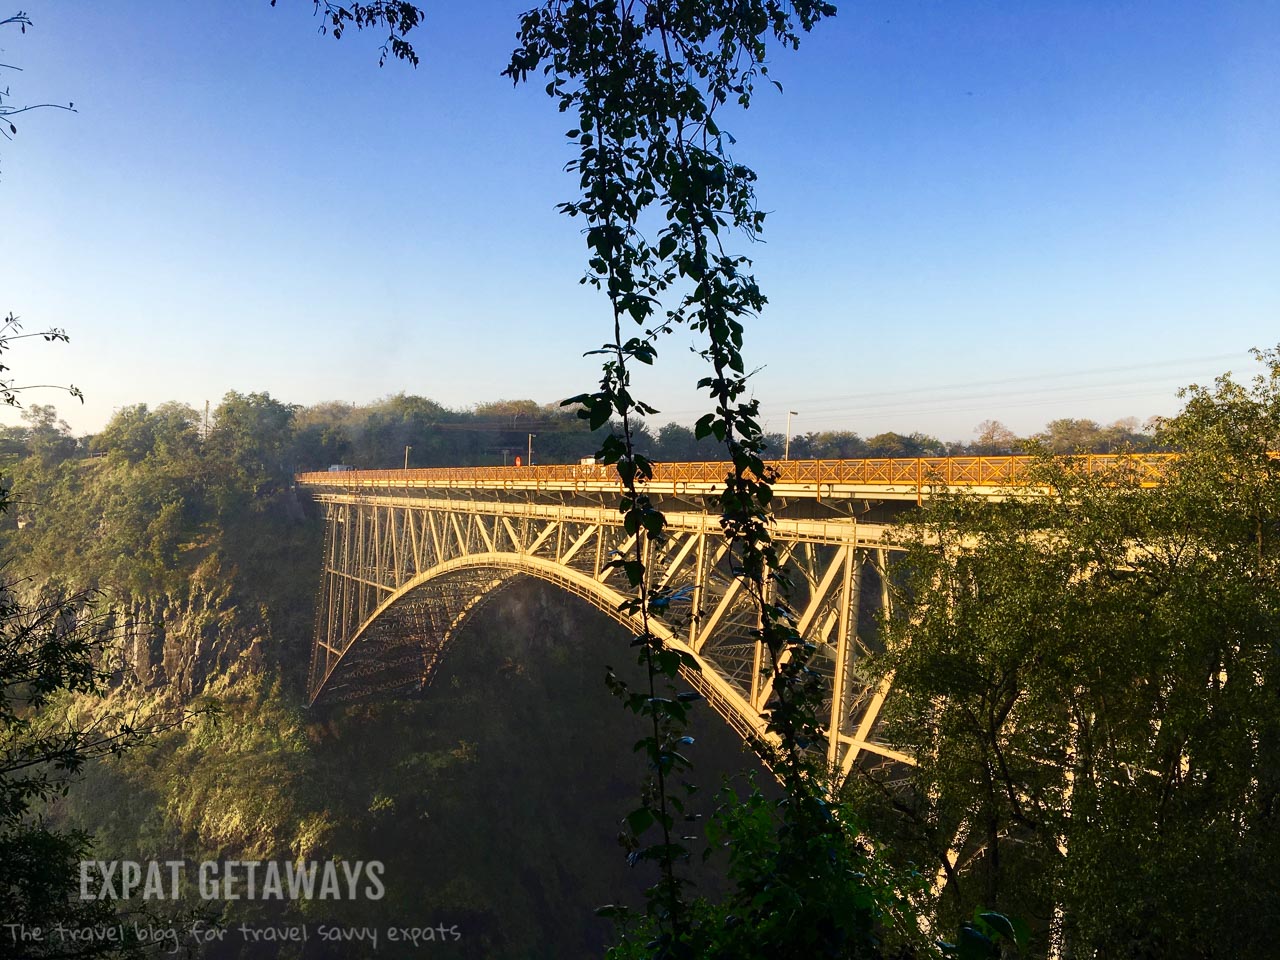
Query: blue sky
<point x="978" y="210"/>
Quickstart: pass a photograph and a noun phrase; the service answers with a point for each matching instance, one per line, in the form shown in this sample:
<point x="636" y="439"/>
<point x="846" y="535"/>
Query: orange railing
<point x="916" y="472"/>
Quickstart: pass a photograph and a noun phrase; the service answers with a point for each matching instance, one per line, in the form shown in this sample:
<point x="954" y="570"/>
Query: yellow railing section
<point x="908" y="472"/>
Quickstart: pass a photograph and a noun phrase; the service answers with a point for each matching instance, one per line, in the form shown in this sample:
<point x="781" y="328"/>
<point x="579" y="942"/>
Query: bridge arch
<point x="723" y="697"/>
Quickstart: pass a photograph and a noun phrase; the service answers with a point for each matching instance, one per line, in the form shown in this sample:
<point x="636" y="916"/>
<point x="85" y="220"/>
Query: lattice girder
<point x="403" y="569"/>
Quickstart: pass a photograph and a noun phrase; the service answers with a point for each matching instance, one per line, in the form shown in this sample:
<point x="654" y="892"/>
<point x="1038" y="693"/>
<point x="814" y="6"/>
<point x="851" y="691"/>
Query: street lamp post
<point x="529" y="461"/>
<point x="786" y="447"/>
<point x="406" y="456"/>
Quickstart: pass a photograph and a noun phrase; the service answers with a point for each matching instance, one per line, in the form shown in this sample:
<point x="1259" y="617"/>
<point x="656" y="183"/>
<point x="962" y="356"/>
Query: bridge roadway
<point x="409" y="555"/>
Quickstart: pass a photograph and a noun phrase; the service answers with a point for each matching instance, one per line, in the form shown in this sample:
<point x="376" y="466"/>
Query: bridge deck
<point x="886" y="479"/>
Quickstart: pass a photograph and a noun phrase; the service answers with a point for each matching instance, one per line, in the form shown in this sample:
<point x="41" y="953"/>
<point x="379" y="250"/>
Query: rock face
<point x="246" y="606"/>
<point x="177" y="644"/>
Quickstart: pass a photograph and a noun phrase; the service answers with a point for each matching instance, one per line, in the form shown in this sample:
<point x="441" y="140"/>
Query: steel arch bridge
<point x="409" y="555"/>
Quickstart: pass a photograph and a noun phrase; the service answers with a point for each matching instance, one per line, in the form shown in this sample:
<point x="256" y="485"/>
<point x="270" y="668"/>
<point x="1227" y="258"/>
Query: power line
<point x="902" y="401"/>
<point x="1038" y="378"/>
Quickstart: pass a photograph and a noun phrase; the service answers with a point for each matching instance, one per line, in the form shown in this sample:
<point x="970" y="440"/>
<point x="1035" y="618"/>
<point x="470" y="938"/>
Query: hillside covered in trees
<point x="201" y="556"/>
<point x="493" y="801"/>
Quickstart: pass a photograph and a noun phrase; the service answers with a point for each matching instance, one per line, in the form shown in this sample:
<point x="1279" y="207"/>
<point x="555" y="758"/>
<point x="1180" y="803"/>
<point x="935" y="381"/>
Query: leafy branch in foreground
<point x="9" y="331"/>
<point x="397" y="16"/>
<point x="9" y="129"/>
<point x="646" y="83"/>
<point x="10" y="328"/>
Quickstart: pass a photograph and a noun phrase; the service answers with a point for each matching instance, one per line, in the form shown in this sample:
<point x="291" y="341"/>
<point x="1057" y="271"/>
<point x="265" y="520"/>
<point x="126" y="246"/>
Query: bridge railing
<point x="918" y="472"/>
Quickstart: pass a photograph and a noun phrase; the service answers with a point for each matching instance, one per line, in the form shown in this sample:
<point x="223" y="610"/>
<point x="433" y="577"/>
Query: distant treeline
<point x="281" y="438"/>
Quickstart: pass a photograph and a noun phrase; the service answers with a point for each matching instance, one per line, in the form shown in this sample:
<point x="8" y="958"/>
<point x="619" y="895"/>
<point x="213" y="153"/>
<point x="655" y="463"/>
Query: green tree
<point x="249" y="442"/>
<point x="51" y="645"/>
<point x="1125" y="436"/>
<point x="48" y="437"/>
<point x="911" y="445"/>
<point x="136" y="433"/>
<point x="1089" y="683"/>
<point x="678" y="443"/>
<point x="1070" y="435"/>
<point x="833" y="445"/>
<point x="994" y="439"/>
<point x="322" y="436"/>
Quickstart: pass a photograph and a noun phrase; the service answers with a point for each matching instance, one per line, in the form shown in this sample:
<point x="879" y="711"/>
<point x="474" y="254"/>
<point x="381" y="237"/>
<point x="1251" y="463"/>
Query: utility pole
<point x="786" y="448"/>
<point x="406" y="456"/>
<point x="529" y="462"/>
<point x="205" y="432"/>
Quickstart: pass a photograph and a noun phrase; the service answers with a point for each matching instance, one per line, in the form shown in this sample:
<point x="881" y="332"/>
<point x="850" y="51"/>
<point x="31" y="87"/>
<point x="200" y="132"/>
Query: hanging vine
<point x="660" y="194"/>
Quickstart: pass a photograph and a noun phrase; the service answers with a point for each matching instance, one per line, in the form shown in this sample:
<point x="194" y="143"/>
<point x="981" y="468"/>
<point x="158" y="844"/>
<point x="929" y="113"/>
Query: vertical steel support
<point x="348" y="585"/>
<point x="850" y="588"/>
<point x="872" y="711"/>
<point x="433" y="527"/>
<point x="757" y="664"/>
<point x="699" y="587"/>
<point x="411" y="521"/>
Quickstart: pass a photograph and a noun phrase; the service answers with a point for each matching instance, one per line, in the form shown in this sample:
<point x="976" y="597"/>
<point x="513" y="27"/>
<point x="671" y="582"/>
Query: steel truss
<point x="404" y="568"/>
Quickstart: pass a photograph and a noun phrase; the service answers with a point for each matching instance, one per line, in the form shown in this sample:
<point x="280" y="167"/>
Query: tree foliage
<point x="398" y="17"/>
<point x="52" y="646"/>
<point x="1089" y="684"/>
